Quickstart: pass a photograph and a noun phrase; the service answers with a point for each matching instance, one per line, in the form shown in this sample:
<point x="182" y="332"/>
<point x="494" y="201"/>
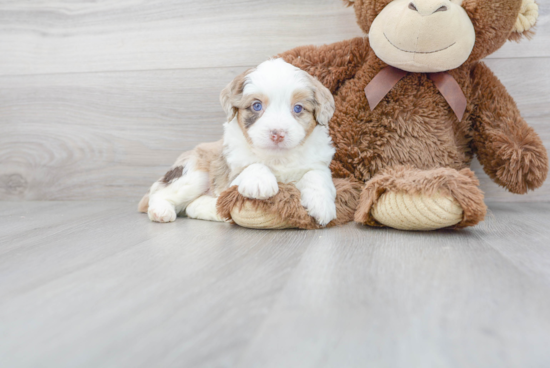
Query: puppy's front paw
<point x="321" y="208"/>
<point x="259" y="187"/>
<point x="257" y="181"/>
<point x="161" y="211"/>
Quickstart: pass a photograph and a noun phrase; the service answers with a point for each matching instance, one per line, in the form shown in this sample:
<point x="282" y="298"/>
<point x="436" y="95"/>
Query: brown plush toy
<point x="414" y="104"/>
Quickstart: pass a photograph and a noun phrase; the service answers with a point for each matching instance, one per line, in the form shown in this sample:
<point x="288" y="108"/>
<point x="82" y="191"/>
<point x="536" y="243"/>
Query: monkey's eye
<point x="257" y="106"/>
<point x="298" y="109"/>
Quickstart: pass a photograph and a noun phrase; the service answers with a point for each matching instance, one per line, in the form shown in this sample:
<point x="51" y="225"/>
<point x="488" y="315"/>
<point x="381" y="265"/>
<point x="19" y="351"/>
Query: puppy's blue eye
<point x="298" y="109"/>
<point x="257" y="106"/>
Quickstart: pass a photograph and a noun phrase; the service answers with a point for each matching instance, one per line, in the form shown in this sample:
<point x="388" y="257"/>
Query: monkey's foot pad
<point x="255" y="218"/>
<point x="416" y="211"/>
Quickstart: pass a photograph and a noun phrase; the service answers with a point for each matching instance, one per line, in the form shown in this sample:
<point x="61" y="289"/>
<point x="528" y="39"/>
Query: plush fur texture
<point x="510" y="151"/>
<point x="461" y="185"/>
<point x="412" y="141"/>
<point x="286" y="205"/>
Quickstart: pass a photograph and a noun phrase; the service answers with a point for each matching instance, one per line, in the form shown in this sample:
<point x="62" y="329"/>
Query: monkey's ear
<point x="349" y="2"/>
<point x="232" y="94"/>
<point x="526" y="20"/>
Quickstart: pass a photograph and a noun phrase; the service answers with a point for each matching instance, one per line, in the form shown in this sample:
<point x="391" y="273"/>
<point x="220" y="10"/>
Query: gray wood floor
<point x="95" y="284"/>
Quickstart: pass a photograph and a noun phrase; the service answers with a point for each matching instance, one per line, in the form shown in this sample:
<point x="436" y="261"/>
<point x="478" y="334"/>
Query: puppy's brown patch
<point x="206" y="153"/>
<point x="244" y="114"/>
<point x="209" y="158"/>
<point x="219" y="176"/>
<point x="232" y="95"/>
<point x="172" y="175"/>
<point x="247" y="116"/>
<point x="180" y="162"/>
<point x="305" y="97"/>
<point x="323" y="100"/>
<point x="306" y="118"/>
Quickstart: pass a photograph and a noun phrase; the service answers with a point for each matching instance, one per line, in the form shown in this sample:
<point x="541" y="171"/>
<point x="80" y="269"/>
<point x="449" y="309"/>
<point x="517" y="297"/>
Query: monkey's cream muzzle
<point x="423" y="36"/>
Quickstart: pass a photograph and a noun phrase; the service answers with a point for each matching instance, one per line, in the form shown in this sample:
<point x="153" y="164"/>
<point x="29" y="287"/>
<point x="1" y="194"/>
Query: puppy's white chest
<point x="290" y="173"/>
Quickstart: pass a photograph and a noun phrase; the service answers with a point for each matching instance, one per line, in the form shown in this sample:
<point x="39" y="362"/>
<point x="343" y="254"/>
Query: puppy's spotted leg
<point x="203" y="208"/>
<point x="257" y="181"/>
<point x="173" y="193"/>
<point x="318" y="195"/>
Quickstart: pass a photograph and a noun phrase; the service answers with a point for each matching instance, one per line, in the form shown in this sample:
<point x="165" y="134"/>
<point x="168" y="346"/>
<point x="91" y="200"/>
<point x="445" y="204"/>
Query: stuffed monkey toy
<point x="414" y="104"/>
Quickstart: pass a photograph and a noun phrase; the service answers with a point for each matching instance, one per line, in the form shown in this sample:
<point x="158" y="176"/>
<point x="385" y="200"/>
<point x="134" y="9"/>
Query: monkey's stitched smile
<point x="417" y="52"/>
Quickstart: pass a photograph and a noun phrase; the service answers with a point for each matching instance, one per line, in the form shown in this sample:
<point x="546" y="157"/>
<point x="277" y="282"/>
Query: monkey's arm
<point x="511" y="153"/>
<point x="331" y="64"/>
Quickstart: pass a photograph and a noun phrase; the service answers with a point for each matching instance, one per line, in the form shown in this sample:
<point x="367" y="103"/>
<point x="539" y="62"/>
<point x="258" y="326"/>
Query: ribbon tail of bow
<point x="450" y="89"/>
<point x="388" y="77"/>
<point x="381" y="84"/>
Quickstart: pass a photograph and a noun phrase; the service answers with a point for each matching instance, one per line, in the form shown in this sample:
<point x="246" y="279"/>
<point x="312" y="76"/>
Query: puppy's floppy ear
<point x="527" y="18"/>
<point x="232" y="94"/>
<point x="349" y="2"/>
<point x="324" y="102"/>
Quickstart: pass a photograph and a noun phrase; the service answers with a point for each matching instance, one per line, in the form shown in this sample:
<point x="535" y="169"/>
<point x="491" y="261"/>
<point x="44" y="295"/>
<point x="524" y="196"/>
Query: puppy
<point x="276" y="131"/>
